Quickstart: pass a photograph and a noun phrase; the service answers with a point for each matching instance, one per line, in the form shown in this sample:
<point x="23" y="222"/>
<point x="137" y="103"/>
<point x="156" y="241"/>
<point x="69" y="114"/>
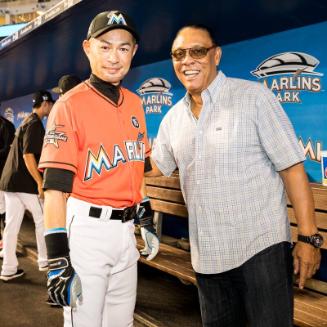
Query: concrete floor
<point x="22" y="301"/>
<point x="162" y="300"/>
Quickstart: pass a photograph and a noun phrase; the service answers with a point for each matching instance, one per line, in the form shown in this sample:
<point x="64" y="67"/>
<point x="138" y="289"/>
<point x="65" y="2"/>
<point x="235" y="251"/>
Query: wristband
<point x="56" y="241"/>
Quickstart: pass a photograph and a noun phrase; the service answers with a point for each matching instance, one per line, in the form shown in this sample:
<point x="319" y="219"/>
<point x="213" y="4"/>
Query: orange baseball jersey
<point x="104" y="145"/>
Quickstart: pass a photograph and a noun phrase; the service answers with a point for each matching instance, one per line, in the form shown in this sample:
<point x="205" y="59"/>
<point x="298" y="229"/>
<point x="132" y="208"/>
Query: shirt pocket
<point x="219" y="134"/>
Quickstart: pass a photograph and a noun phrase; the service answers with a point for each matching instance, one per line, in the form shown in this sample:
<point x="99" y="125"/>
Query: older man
<point x="237" y="153"/>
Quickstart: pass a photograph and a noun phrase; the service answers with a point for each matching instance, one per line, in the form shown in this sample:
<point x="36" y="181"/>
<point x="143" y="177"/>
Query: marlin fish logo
<point x="116" y="18"/>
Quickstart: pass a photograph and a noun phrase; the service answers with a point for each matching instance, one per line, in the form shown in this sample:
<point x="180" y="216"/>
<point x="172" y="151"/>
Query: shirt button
<point x="200" y="208"/>
<point x="201" y="132"/>
<point x="199" y="157"/>
<point x="197" y="182"/>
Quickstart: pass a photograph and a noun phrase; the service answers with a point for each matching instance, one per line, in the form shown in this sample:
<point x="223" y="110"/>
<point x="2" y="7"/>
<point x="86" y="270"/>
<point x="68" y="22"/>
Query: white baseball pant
<point x="104" y="255"/>
<point x="16" y="203"/>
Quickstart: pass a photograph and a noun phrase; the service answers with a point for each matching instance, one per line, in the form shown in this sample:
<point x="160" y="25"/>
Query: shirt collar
<point x="212" y="91"/>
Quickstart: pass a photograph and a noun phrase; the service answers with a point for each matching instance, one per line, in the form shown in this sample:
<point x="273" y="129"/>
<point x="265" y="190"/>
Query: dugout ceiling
<point x="36" y="60"/>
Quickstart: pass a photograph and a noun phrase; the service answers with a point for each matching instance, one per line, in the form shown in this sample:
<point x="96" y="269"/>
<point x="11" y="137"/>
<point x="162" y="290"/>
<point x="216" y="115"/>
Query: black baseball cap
<point x="109" y="20"/>
<point x="40" y="96"/>
<point x="66" y="83"/>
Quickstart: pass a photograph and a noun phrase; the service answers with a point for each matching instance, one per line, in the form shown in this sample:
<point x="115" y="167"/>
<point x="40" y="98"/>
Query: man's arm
<point x="154" y="172"/>
<point x="31" y="166"/>
<point x="54" y="209"/>
<point x="306" y="257"/>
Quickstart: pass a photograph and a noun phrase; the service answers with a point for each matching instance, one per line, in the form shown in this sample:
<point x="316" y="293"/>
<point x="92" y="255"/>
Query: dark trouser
<point x="2" y="223"/>
<point x="257" y="294"/>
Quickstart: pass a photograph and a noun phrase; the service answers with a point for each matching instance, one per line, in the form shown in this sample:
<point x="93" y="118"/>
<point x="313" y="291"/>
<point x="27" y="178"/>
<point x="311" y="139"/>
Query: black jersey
<point x="28" y="139"/>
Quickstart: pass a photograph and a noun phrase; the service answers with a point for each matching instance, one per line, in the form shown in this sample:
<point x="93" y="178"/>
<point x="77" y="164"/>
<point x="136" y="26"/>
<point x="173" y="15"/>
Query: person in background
<point x="21" y="183"/>
<point x="237" y="154"/>
<point x="7" y="133"/>
<point x="66" y="83"/>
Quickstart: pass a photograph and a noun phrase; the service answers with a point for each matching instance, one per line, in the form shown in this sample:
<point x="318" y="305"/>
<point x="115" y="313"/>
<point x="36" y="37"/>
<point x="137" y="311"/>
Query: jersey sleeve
<point x="60" y="146"/>
<point x="33" y="139"/>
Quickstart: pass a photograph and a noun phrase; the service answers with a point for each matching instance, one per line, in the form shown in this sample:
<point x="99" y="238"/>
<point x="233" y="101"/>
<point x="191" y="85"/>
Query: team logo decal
<point x="22" y="115"/>
<point x="140" y="136"/>
<point x="311" y="148"/>
<point x="155" y="94"/>
<point x="102" y="160"/>
<point x="288" y="74"/>
<point x="116" y="18"/>
<point x="52" y="136"/>
<point x="135" y="122"/>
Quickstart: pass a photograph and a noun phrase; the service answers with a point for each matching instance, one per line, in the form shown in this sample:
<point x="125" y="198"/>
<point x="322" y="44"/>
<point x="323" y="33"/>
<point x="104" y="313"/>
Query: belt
<point x="123" y="215"/>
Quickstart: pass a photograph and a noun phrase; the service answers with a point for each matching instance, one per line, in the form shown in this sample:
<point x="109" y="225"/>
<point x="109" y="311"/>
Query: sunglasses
<point x="195" y="53"/>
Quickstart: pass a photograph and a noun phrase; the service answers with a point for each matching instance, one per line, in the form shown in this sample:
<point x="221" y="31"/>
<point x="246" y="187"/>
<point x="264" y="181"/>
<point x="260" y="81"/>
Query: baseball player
<point x="7" y="133"/>
<point x="22" y="186"/>
<point x="96" y="148"/>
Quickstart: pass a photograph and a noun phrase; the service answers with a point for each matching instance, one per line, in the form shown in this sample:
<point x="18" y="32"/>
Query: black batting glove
<point x="64" y="285"/>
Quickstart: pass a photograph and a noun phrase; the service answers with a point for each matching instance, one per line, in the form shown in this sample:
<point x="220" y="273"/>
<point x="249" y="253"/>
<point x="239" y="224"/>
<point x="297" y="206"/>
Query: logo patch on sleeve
<point x="135" y="122"/>
<point x="52" y="136"/>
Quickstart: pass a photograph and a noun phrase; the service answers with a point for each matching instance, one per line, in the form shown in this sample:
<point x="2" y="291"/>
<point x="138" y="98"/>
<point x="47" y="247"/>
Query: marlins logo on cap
<point x="109" y="20"/>
<point x="116" y="18"/>
<point x="40" y="96"/>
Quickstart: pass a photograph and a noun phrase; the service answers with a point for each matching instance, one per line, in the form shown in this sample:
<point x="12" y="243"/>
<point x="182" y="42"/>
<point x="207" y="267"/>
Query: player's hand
<point x="151" y="243"/>
<point x="64" y="285"/>
<point x="148" y="233"/>
<point x="40" y="191"/>
<point x="306" y="261"/>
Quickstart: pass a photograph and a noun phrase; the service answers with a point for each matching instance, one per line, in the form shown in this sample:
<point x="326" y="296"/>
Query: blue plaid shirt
<point x="228" y="163"/>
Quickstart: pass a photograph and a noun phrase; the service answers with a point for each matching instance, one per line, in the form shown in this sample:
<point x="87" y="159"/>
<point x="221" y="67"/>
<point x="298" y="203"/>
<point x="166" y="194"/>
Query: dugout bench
<point x="310" y="305"/>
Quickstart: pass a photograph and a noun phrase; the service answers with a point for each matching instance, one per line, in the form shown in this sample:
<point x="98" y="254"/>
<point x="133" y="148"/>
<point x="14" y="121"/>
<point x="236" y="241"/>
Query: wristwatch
<point x="316" y="240"/>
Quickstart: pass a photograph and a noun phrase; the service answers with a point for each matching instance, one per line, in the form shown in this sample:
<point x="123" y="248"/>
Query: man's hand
<point x="64" y="285"/>
<point x="40" y="190"/>
<point x="148" y="233"/>
<point x="306" y="261"/>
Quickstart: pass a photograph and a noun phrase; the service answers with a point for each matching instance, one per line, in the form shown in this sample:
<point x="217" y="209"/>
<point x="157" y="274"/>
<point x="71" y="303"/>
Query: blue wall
<point x="302" y="94"/>
<point x="302" y="91"/>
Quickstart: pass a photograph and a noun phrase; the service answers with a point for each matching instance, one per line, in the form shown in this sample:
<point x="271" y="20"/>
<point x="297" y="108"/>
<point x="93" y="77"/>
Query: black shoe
<point x="52" y="304"/>
<point x="19" y="273"/>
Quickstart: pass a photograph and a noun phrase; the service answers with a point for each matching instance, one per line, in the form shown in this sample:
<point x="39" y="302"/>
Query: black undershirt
<point x="112" y="92"/>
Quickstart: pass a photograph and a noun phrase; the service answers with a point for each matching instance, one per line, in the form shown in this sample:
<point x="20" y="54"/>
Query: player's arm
<point x="64" y="285"/>
<point x="306" y="257"/>
<point x="54" y="209"/>
<point x="57" y="183"/>
<point x="151" y="169"/>
<point x="31" y="165"/>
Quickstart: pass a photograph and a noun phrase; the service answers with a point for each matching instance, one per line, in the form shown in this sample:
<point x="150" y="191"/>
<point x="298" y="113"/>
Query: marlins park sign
<point x="288" y="74"/>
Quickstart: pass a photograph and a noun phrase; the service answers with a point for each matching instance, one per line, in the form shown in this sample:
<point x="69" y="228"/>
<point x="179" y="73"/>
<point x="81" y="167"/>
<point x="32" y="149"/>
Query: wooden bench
<point x="310" y="305"/>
